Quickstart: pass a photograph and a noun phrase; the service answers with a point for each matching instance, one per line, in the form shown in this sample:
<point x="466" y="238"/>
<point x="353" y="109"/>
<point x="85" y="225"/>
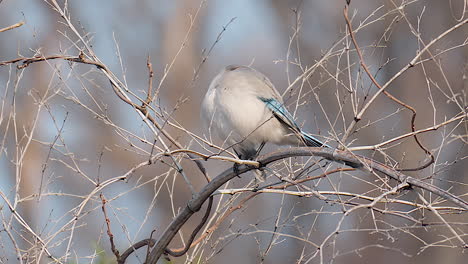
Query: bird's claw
<point x="235" y="168"/>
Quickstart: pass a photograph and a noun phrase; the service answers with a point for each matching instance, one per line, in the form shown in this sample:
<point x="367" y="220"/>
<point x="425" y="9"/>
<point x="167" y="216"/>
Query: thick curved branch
<point x="178" y="253"/>
<point x="145" y="242"/>
<point x="339" y="156"/>
<point x="255" y="193"/>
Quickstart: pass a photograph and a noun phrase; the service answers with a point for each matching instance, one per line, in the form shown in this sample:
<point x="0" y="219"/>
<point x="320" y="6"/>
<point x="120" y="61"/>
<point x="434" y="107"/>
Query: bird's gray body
<point x="243" y="108"/>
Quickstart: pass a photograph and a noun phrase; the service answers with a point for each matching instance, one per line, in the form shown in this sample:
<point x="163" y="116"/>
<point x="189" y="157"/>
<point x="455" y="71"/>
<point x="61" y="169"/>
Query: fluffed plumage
<point x="243" y="108"/>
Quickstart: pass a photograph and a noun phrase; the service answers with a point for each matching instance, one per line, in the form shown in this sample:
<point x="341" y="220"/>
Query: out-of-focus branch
<point x="19" y="24"/>
<point x="205" y="57"/>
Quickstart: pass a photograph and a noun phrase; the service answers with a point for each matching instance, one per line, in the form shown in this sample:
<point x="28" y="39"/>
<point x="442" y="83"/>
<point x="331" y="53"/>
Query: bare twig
<point x="19" y="24"/>
<point x="109" y="232"/>
<point x="150" y="81"/>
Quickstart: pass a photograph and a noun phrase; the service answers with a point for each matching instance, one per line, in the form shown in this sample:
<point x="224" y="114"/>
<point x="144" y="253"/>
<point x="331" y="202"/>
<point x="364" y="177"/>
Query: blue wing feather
<point x="282" y="113"/>
<point x="278" y="109"/>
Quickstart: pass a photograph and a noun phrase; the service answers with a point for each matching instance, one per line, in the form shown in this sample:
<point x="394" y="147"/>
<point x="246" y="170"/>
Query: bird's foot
<point x="260" y="176"/>
<point x="235" y="168"/>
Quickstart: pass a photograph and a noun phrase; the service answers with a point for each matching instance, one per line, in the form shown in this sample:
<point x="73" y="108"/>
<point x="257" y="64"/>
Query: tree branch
<point x="339" y="156"/>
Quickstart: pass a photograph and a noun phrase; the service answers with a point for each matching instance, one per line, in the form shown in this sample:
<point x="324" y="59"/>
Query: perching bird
<point x="243" y="108"/>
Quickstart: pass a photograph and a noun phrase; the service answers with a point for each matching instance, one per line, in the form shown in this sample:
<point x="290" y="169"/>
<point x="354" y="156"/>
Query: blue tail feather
<point x="312" y="141"/>
<point x="279" y="111"/>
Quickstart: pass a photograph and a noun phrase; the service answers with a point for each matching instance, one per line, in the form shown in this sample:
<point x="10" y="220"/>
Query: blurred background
<point x="63" y="129"/>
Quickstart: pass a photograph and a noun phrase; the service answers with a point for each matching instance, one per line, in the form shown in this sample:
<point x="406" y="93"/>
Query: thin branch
<point x="19" y="24"/>
<point x="109" y="232"/>
<point x="150" y="81"/>
<point x="366" y="69"/>
<point x="424" y="130"/>
<point x="429" y="205"/>
<point x="399" y="73"/>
